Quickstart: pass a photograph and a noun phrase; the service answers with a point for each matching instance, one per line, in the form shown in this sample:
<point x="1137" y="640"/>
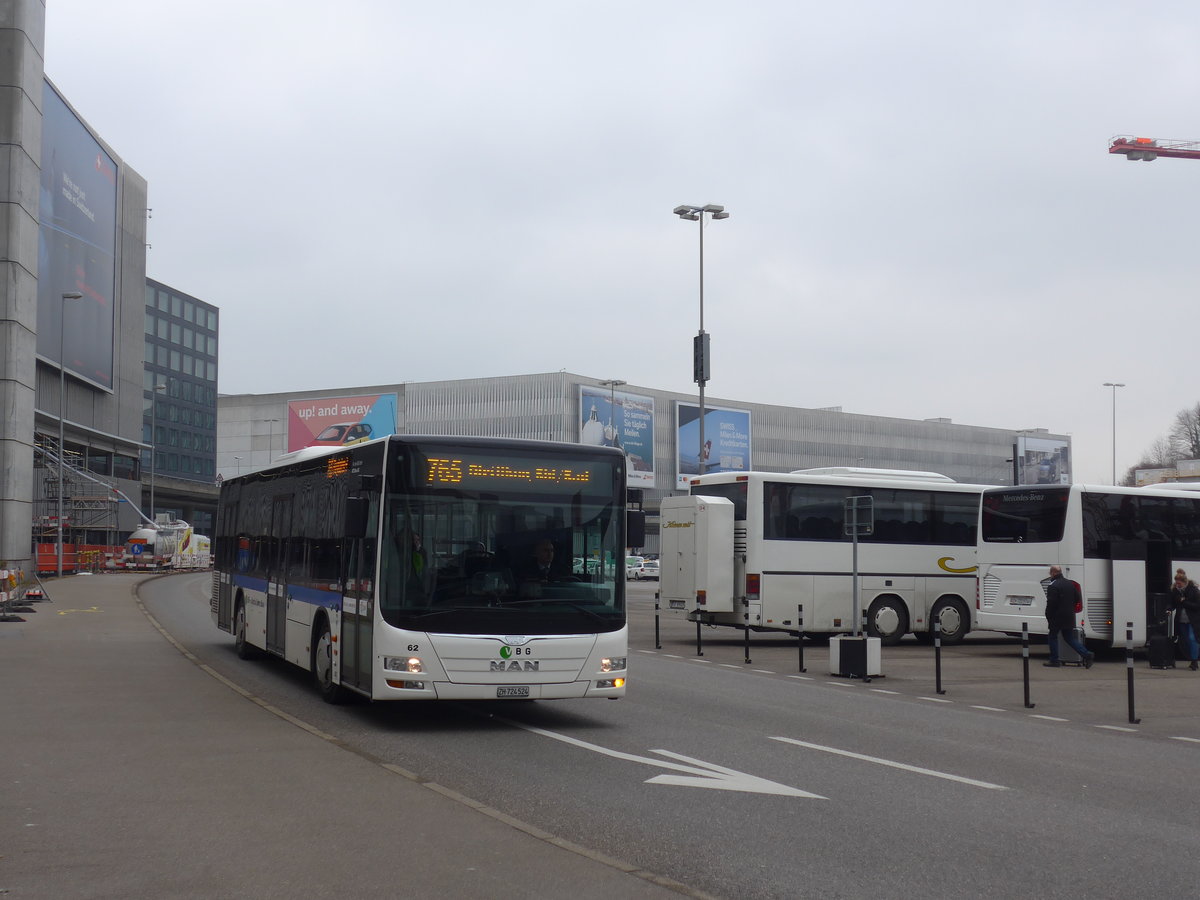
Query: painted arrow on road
<point x="696" y="774"/>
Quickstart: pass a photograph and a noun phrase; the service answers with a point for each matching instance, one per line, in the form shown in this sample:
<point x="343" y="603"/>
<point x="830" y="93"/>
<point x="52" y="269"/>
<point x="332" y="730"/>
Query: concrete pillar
<point x="22" y="38"/>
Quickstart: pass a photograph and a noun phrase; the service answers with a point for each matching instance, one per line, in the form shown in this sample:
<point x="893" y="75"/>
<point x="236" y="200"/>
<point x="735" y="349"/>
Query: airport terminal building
<point x="659" y="431"/>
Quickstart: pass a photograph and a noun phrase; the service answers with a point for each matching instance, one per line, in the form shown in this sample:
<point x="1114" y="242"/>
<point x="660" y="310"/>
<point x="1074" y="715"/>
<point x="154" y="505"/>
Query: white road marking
<point x="698" y="774"/>
<point x="895" y="765"/>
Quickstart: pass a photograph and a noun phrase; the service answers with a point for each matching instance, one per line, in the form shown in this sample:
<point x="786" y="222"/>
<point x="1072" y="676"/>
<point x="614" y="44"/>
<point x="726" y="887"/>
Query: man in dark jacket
<point x="1061" y="598"/>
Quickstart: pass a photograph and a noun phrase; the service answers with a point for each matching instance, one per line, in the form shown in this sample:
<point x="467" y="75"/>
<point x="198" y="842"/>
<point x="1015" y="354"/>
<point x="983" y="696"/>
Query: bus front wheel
<point x="954" y="619"/>
<point x="322" y="665"/>
<point x="887" y="620"/>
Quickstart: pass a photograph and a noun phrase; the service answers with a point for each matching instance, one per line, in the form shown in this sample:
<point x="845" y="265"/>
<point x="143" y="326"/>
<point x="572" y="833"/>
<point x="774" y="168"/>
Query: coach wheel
<point x="322" y="665"/>
<point x="954" y="618"/>
<point x="887" y="620"/>
<point x="243" y="647"/>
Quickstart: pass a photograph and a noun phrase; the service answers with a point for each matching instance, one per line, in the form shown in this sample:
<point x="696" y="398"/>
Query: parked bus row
<point x="763" y="549"/>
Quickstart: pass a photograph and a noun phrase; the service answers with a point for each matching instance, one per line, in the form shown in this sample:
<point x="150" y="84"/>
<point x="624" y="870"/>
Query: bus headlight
<point x="613" y="663"/>
<point x="610" y="683"/>
<point x="403" y="664"/>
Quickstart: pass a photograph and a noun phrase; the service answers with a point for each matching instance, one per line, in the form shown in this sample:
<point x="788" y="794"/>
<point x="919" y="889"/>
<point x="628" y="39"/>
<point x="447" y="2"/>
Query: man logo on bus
<point x="528" y="665"/>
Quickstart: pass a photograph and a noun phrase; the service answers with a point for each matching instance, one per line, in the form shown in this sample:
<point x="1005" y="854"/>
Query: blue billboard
<point x="726" y="441"/>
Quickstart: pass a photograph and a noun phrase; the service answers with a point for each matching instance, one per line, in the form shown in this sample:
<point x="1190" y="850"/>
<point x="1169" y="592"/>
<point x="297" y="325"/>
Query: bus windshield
<point x="501" y="546"/>
<point x="1024" y="515"/>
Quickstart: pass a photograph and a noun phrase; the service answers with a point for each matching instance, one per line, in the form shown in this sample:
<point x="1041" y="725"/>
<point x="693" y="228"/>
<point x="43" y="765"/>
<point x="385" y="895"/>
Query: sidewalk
<point x="131" y="773"/>
<point x="985" y="670"/>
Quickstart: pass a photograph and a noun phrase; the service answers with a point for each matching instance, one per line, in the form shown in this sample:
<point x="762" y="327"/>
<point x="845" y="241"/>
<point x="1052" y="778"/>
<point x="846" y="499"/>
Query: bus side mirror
<point x="357" y="513"/>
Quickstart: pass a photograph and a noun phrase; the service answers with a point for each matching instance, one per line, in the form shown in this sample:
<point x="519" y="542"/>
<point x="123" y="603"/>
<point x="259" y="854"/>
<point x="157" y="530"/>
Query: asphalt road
<point x="759" y="781"/>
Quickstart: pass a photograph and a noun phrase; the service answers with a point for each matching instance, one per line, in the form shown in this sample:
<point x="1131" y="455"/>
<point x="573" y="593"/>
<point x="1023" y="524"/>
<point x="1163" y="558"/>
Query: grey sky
<point x="924" y="220"/>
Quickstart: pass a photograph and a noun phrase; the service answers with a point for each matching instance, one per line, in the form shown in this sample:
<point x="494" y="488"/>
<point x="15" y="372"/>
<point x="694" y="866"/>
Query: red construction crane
<point x="1148" y="149"/>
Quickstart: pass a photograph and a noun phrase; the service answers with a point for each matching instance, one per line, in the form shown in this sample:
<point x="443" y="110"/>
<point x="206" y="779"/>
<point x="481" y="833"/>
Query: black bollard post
<point x="937" y="654"/>
<point x="746" y="619"/>
<point x="657" y="633"/>
<point x="699" y="648"/>
<point x="800" y="634"/>
<point x="1129" y="670"/>
<point x="866" y="655"/>
<point x="1025" y="660"/>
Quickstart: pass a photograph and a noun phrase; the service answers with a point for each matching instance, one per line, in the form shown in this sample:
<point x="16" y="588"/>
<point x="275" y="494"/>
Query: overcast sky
<point x="924" y="220"/>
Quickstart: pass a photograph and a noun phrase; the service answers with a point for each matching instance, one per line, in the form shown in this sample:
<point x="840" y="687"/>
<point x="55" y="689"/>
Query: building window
<point x="176" y="333"/>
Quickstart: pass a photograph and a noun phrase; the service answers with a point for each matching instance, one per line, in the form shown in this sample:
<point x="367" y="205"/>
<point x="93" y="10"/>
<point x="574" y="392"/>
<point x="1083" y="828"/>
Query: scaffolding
<point x="89" y="503"/>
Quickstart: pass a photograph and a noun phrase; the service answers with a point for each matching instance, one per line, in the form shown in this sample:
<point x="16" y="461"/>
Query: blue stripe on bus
<point x="319" y="598"/>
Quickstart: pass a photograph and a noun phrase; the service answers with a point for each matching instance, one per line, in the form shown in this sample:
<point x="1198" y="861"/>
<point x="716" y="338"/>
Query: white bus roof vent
<point x="858" y="472"/>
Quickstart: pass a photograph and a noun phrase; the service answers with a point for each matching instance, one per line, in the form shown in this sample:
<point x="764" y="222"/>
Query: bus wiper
<point x="571" y="603"/>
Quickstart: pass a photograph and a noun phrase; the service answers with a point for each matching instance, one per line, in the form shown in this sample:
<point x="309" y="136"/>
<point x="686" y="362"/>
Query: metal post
<point x="1025" y="660"/>
<point x="1129" y="670"/>
<point x="657" y="637"/>
<point x="699" y="647"/>
<point x="937" y="655"/>
<point x="62" y="411"/>
<point x="746" y="619"/>
<point x="700" y="461"/>
<point x="800" y="634"/>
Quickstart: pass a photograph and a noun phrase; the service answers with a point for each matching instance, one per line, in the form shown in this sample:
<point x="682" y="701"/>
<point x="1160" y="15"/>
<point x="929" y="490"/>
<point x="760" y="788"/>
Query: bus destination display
<point x="467" y="472"/>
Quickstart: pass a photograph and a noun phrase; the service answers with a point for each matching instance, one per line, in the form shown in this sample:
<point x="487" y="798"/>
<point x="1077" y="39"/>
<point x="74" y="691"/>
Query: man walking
<point x="1062" y="596"/>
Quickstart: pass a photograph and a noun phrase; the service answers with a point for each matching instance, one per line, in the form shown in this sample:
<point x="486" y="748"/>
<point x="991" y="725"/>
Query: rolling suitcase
<point x="1066" y="653"/>
<point x="1160" y="648"/>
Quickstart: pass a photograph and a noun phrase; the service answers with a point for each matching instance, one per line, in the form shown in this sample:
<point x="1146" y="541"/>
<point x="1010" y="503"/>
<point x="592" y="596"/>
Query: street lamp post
<point x="1114" y="385"/>
<point x="239" y="464"/>
<point x="62" y="411"/>
<point x="271" y="440"/>
<point x="700" y="357"/>
<point x="158" y="389"/>
<point x="612" y="384"/>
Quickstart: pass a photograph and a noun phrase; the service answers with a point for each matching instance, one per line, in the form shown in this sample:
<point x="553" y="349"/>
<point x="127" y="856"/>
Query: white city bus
<point x="410" y="568"/>
<point x="1120" y="544"/>
<point x="761" y="544"/>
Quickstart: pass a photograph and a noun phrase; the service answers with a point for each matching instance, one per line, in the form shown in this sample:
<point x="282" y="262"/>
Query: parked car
<point x="647" y="571"/>
<point x="631" y="565"/>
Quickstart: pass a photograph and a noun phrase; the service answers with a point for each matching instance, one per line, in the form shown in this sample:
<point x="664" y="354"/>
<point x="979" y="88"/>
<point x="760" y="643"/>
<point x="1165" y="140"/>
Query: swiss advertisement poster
<point x="726" y="441"/>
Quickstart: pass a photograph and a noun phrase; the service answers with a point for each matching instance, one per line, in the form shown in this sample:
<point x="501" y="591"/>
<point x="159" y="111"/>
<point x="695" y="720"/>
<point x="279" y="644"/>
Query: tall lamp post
<point x="1114" y="385"/>
<point x="158" y="389"/>
<point x="62" y="411"/>
<point x="612" y="384"/>
<point x="271" y="440"/>
<point x="700" y="358"/>
<point x="239" y="464"/>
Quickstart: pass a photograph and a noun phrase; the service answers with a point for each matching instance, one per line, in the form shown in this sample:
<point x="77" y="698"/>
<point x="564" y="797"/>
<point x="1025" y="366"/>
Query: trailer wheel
<point x="322" y="665"/>
<point x="887" y="620"/>
<point x="954" y="618"/>
<point x="243" y="648"/>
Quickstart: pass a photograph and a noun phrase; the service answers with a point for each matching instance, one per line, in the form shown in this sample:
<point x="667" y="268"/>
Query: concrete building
<point x="253" y="429"/>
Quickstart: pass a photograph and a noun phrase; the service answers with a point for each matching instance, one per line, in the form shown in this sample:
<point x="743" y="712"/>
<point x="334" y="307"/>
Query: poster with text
<point x="611" y="418"/>
<point x="335" y="421"/>
<point x="726" y="441"/>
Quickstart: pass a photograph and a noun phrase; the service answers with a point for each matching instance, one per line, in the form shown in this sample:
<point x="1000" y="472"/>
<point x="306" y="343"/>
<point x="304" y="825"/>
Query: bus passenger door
<point x="277" y="589"/>
<point x="358" y="610"/>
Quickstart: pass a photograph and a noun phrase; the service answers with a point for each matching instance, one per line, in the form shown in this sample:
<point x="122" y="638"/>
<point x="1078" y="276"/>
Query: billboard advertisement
<point x="1043" y="460"/>
<point x="611" y="418"/>
<point x="77" y="241"/>
<point x="332" y="421"/>
<point x="726" y="441"/>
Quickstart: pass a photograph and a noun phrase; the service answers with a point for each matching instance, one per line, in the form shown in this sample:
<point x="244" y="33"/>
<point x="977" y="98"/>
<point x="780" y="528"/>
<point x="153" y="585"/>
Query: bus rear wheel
<point x="954" y="619"/>
<point x="887" y="620"/>
<point x="322" y="665"/>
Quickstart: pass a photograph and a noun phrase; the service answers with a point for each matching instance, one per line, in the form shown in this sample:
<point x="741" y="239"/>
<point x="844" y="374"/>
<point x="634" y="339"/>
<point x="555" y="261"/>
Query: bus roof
<point x="859" y="472"/>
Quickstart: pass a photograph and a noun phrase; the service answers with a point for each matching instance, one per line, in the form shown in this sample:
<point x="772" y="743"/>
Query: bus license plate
<point x="512" y="692"/>
<point x="1020" y="600"/>
<point x="677" y="604"/>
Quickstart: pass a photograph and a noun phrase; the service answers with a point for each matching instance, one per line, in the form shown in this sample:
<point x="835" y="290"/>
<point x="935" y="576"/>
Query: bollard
<point x="937" y="654"/>
<point x="746" y="618"/>
<point x="1129" y="670"/>
<point x="699" y="648"/>
<point x="1025" y="660"/>
<point x="866" y="666"/>
<point x="800" y="634"/>
<point x="657" y="634"/>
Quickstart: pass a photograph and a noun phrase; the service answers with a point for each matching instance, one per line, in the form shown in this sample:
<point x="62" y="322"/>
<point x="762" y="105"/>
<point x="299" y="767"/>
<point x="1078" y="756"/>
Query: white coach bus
<point x="1120" y="544"/>
<point x="761" y="544"/>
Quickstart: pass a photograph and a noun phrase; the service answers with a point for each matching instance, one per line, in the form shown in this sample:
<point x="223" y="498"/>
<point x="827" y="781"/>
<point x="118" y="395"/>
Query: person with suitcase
<point x="1185" y="602"/>
<point x="1062" y="596"/>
